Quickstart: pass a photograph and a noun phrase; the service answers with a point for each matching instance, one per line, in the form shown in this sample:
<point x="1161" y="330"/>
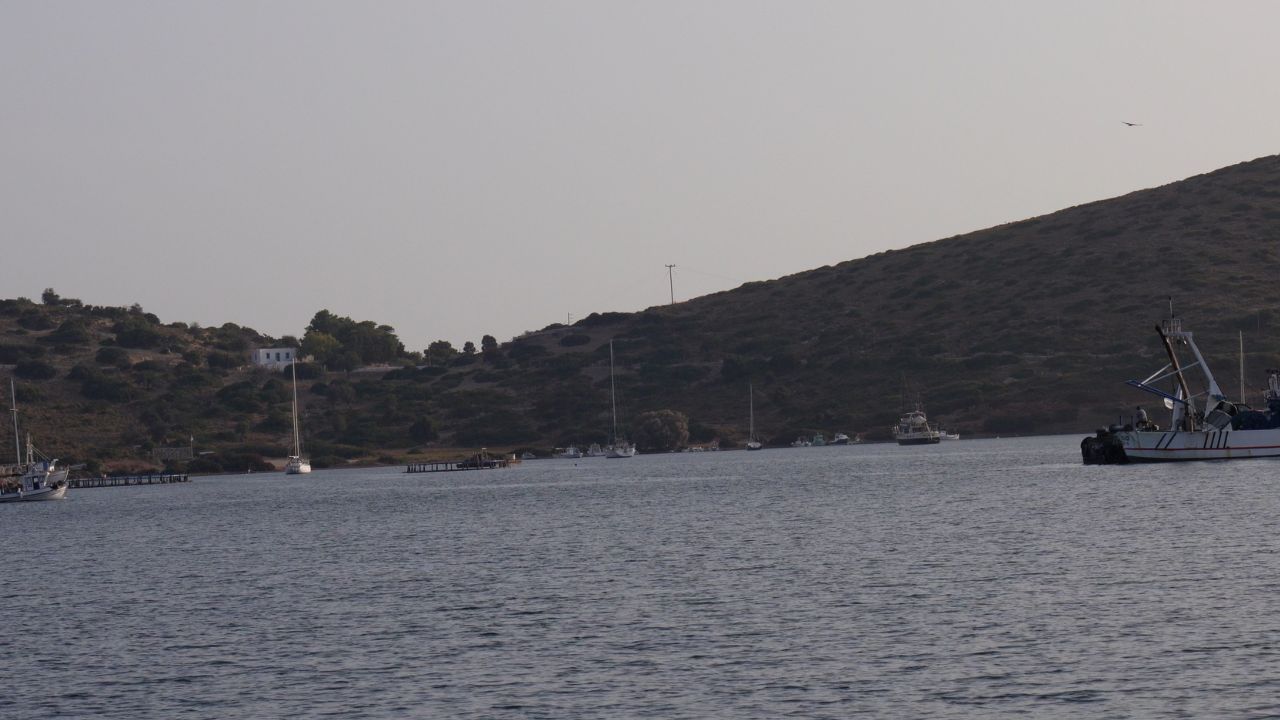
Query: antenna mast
<point x="672" y="283"/>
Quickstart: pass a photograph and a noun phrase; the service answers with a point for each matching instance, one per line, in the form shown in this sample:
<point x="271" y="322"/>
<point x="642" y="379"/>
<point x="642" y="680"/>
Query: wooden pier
<point x="470" y="464"/>
<point x="126" y="480"/>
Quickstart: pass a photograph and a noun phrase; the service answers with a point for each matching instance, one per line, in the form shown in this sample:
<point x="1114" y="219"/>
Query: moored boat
<point x="617" y="448"/>
<point x="913" y="429"/>
<point x="753" y="443"/>
<point x="569" y="453"/>
<point x="296" y="464"/>
<point x="32" y="479"/>
<point x="1203" y="426"/>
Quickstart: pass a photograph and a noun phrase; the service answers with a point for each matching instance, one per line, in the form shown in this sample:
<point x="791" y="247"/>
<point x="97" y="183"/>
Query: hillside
<point x="1028" y="327"/>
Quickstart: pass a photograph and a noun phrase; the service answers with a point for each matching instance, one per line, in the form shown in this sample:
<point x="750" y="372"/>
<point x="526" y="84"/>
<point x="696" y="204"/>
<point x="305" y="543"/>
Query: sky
<point x="455" y="169"/>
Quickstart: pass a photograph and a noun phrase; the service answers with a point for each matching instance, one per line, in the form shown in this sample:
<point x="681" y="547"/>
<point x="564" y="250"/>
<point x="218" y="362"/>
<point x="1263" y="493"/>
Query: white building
<point x="274" y="357"/>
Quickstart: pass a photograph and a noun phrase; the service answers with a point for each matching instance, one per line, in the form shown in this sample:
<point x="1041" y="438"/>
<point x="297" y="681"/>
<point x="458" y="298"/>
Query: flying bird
<point x="1126" y="122"/>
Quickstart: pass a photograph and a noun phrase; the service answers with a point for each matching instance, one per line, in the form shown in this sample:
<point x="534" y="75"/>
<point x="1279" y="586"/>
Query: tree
<point x="321" y="345"/>
<point x="488" y="344"/>
<point x="661" y="431"/>
<point x="49" y="297"/>
<point x="469" y="348"/>
<point x="422" y="430"/>
<point x="440" y="352"/>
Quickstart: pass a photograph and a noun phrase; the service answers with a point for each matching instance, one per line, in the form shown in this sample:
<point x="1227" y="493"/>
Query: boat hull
<point x="49" y="493"/>
<point x="1141" y="446"/>
<point x="931" y="438"/>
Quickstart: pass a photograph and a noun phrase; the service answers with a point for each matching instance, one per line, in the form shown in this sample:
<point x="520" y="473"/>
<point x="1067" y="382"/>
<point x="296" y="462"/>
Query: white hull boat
<point x="54" y="492"/>
<point x="33" y="479"/>
<point x="913" y="429"/>
<point x="753" y="443"/>
<point x="296" y="465"/>
<point x="624" y="450"/>
<point x="1203" y="425"/>
<point x="617" y="449"/>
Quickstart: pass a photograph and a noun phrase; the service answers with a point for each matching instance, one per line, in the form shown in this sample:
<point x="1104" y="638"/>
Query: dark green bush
<point x="34" y="370"/>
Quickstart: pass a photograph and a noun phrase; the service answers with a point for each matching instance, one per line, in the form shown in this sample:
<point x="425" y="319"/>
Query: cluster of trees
<point x="345" y="344"/>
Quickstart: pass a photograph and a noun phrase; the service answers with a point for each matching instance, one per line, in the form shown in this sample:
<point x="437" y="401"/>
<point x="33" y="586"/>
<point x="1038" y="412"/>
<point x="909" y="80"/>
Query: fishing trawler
<point x="35" y="478"/>
<point x="1202" y="426"/>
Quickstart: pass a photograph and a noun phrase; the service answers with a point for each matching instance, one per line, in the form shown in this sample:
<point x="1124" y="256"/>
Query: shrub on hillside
<point x="71" y="332"/>
<point x="133" y="331"/>
<point x="574" y="340"/>
<point x="13" y="354"/>
<point x="34" y="370"/>
<point x="96" y="386"/>
<point x="115" y="356"/>
<point x="35" y="320"/>
<point x="218" y="360"/>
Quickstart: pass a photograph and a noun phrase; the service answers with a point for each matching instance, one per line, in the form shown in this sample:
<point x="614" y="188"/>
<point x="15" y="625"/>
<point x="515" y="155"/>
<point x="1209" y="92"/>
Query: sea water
<point x="984" y="578"/>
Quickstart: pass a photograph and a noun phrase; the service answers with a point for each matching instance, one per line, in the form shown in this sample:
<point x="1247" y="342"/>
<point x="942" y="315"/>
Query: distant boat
<point x="34" y="479"/>
<point x="595" y="450"/>
<point x="801" y="441"/>
<point x="526" y="455"/>
<point x="913" y="429"/>
<point x="839" y="439"/>
<point x="753" y="443"/>
<point x="569" y="453"/>
<point x="949" y="435"/>
<point x="818" y="440"/>
<point x="296" y="464"/>
<point x="617" y="449"/>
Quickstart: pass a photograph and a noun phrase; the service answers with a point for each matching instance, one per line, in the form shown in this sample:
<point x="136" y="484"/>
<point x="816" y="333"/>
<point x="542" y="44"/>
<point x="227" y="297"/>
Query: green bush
<point x="114" y="356"/>
<point x="34" y="370"/>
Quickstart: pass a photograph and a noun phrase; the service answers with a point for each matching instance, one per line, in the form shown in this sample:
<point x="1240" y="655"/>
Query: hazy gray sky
<point x="461" y="168"/>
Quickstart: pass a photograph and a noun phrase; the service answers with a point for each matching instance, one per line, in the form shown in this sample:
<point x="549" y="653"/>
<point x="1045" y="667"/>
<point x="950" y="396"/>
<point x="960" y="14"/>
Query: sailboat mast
<point x="751" y="394"/>
<point x="1242" y="401"/>
<point x="613" y="395"/>
<point x="297" y="443"/>
<point x="17" y="440"/>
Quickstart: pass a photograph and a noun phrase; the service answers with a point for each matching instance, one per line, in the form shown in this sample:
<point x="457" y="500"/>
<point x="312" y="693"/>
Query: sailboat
<point x="296" y="464"/>
<point x="616" y="449"/>
<point x="34" y="479"/>
<point x="752" y="442"/>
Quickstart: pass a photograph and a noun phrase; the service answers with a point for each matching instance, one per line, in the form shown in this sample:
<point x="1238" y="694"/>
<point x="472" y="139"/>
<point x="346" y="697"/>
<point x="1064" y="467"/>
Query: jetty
<point x="475" y="463"/>
<point x="127" y="480"/>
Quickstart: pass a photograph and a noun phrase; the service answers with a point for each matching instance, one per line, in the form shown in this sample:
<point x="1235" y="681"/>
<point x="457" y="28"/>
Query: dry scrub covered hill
<point x="1028" y="327"/>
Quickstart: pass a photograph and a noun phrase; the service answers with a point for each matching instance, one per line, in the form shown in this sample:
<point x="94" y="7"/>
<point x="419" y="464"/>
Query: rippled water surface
<point x="971" y="579"/>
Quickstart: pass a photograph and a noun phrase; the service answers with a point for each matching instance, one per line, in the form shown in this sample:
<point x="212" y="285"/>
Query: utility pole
<point x="672" y="283"/>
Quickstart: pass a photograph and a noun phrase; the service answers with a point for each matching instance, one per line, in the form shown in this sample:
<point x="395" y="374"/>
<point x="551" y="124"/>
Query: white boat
<point x="617" y="448"/>
<point x="753" y="443"/>
<point x="913" y="429"/>
<point x="569" y="453"/>
<point x="526" y="455"/>
<point x="34" y="479"/>
<point x="1202" y="426"/>
<point x="595" y="450"/>
<point x="949" y="435"/>
<point x="296" y="464"/>
<point x="839" y="439"/>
